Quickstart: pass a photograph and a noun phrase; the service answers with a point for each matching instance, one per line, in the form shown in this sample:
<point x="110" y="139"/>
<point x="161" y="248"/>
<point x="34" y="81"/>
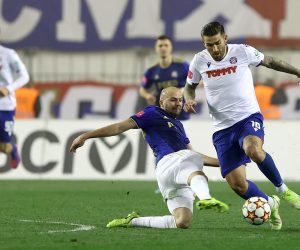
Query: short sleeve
<point x="15" y="62"/>
<point x="254" y="56"/>
<point x="143" y="118"/>
<point x="194" y="75"/>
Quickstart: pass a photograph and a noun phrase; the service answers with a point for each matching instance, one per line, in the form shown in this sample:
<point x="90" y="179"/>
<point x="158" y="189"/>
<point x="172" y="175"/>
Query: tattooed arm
<point x="280" y="65"/>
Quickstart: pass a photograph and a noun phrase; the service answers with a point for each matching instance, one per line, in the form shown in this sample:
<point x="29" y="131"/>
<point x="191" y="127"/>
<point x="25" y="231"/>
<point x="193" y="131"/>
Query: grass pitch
<point x="73" y="215"/>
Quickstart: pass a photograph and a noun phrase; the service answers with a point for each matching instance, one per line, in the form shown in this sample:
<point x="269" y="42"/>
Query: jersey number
<point x="255" y="125"/>
<point x="9" y="125"/>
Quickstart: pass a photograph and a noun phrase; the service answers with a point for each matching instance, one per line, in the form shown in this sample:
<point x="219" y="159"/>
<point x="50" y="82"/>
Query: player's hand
<point x="77" y="143"/>
<point x="151" y="99"/>
<point x="189" y="106"/>
<point x="3" y="92"/>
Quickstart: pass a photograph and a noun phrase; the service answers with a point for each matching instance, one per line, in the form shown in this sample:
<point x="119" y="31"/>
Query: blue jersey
<point x="159" y="78"/>
<point x="163" y="133"/>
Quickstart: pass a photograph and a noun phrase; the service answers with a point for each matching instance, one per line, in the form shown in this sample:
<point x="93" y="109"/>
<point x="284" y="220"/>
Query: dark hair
<point x="164" y="37"/>
<point x="212" y="29"/>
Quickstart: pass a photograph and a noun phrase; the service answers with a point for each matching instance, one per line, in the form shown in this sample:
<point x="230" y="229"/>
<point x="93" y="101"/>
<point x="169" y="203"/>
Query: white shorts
<point x="172" y="173"/>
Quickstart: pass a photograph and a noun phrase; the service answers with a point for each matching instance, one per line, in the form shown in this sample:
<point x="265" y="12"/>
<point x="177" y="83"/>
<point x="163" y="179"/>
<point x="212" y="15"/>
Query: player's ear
<point x="160" y="103"/>
<point x="226" y="38"/>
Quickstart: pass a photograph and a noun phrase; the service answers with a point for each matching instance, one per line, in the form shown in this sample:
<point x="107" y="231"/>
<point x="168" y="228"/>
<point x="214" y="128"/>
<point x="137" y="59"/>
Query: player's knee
<point x="239" y="187"/>
<point x="255" y="153"/>
<point x="183" y="223"/>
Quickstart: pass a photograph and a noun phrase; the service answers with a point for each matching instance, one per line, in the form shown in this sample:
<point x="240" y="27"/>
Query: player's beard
<point x="176" y="111"/>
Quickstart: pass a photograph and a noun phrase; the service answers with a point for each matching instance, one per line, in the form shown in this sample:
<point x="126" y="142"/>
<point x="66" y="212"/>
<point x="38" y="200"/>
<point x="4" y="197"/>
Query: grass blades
<point x="73" y="215"/>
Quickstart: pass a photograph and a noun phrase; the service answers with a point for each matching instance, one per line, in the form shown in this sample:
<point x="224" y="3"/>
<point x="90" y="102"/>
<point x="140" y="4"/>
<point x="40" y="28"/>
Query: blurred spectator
<point x="28" y="102"/>
<point x="269" y="97"/>
<point x="168" y="71"/>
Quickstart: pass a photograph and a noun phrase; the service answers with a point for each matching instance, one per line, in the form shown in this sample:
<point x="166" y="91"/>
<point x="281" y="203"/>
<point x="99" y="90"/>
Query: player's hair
<point x="212" y="29"/>
<point x="164" y="37"/>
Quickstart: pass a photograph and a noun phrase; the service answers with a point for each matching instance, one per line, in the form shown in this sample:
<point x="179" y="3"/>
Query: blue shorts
<point x="229" y="142"/>
<point x="6" y="125"/>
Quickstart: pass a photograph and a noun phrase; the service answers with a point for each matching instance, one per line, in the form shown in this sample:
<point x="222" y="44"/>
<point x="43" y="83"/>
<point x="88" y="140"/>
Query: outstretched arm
<point x="280" y="65"/>
<point x="210" y="161"/>
<point x="111" y="130"/>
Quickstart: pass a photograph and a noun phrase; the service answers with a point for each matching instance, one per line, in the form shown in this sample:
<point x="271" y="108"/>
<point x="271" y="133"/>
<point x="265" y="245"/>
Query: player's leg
<point x="189" y="172"/>
<point x="181" y="209"/>
<point x="6" y="130"/>
<point x="252" y="146"/>
<point x="251" y="140"/>
<point x="246" y="189"/>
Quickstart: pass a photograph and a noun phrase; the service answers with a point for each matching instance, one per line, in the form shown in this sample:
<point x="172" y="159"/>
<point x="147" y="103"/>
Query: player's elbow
<point x="268" y="61"/>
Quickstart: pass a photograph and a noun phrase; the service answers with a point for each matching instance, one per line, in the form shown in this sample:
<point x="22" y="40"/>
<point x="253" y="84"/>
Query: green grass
<point x="97" y="202"/>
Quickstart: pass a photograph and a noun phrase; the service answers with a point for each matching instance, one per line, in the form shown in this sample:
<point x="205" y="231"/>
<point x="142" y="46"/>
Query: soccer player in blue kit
<point x="178" y="167"/>
<point x="13" y="75"/>
<point x="168" y="71"/>
<point x="237" y="121"/>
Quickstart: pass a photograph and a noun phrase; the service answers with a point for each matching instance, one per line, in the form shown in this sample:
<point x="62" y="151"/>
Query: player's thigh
<point x="6" y="126"/>
<point x="5" y="147"/>
<point x="191" y="163"/>
<point x="253" y="129"/>
<point x="230" y="153"/>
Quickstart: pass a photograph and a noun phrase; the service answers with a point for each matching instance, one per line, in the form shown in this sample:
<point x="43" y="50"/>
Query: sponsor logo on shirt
<point x="139" y="114"/>
<point x="208" y="64"/>
<point x="219" y="72"/>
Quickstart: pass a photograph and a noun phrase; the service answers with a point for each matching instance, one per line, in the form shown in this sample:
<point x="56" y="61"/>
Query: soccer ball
<point x="256" y="210"/>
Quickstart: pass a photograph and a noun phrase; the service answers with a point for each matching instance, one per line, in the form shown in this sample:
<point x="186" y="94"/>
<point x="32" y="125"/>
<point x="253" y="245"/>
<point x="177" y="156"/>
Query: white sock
<point x="167" y="221"/>
<point x="199" y="186"/>
<point x="282" y="188"/>
<point x="271" y="202"/>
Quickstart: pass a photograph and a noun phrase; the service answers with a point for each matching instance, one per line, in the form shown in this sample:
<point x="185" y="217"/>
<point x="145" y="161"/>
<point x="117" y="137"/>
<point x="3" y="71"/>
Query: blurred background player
<point x="168" y="71"/>
<point x="13" y="75"/>
<point x="28" y="100"/>
<point x="178" y="167"/>
<point x="269" y="97"/>
<point x="238" y="124"/>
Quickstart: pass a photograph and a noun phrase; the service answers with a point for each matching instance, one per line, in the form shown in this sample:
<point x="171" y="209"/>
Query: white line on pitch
<point x="79" y="227"/>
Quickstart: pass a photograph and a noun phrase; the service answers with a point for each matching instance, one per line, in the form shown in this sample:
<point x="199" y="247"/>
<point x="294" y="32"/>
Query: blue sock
<point x="14" y="151"/>
<point x="253" y="190"/>
<point x="269" y="169"/>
